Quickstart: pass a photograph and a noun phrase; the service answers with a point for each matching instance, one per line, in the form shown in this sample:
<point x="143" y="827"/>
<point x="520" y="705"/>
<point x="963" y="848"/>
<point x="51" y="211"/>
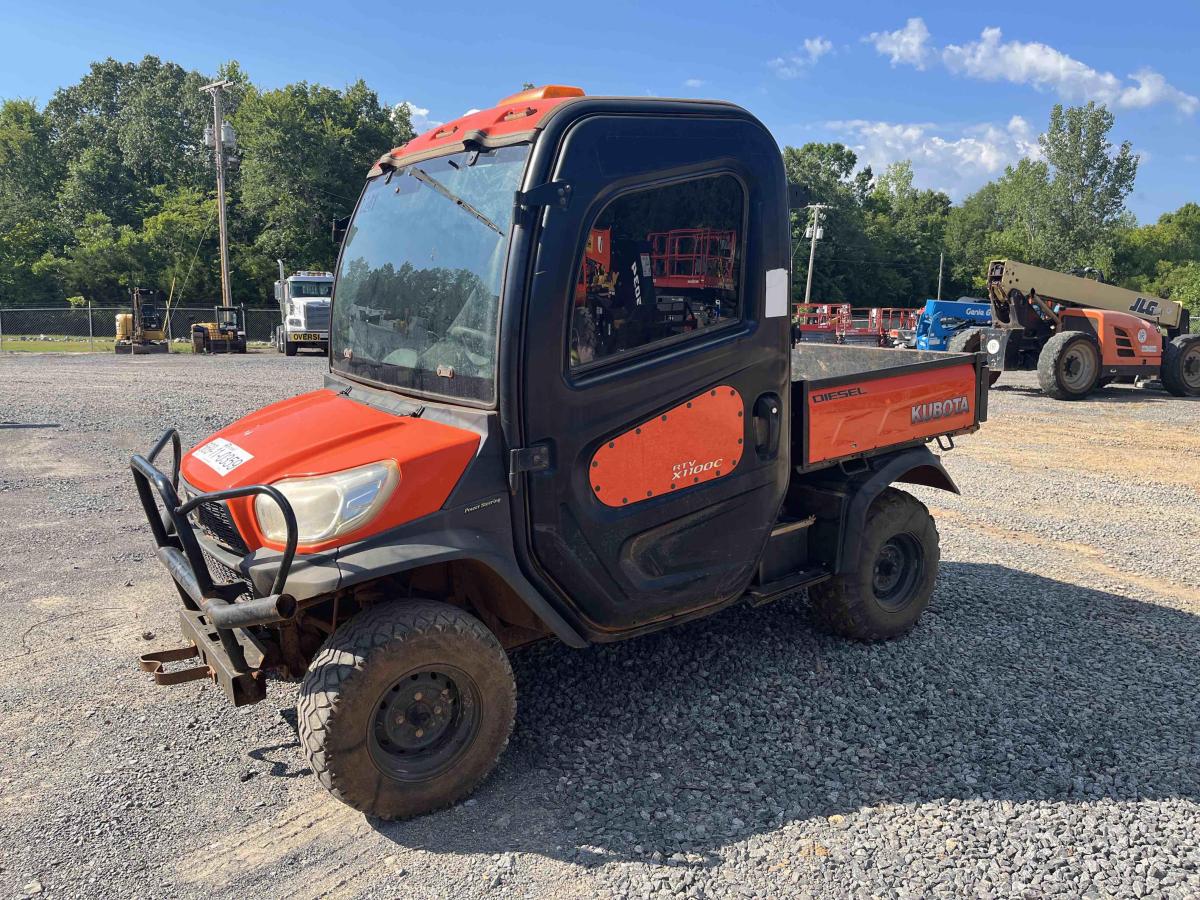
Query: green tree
<point x="27" y="189"/>
<point x="1089" y="185"/>
<point x="971" y="228"/>
<point x="825" y="173"/>
<point x="123" y="129"/>
<point x="305" y="152"/>
<point x="101" y="265"/>
<point x="906" y="228"/>
<point x="1062" y="211"/>
<point x="1182" y="283"/>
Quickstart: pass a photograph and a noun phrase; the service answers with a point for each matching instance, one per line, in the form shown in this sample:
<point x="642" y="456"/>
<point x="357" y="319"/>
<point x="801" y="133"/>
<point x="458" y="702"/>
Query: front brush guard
<point x="210" y="612"/>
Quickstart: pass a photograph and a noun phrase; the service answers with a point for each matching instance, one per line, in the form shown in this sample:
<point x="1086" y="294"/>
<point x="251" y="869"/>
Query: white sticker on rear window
<point x="777" y="293"/>
<point x="222" y="456"/>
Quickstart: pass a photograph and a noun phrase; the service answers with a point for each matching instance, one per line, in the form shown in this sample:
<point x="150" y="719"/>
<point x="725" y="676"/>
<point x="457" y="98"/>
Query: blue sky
<point x="961" y="89"/>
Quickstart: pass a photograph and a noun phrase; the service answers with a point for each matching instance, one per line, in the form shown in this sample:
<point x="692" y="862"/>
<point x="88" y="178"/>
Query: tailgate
<point x="853" y="415"/>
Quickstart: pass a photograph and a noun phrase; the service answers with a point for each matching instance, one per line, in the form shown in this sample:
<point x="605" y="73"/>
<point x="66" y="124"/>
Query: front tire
<point x="1069" y="366"/>
<point x="1180" y="371"/>
<point x="887" y="585"/>
<point x="289" y="347"/>
<point x="407" y="708"/>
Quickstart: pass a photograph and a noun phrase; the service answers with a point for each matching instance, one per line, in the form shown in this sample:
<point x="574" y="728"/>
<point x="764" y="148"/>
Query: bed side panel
<point x="877" y="411"/>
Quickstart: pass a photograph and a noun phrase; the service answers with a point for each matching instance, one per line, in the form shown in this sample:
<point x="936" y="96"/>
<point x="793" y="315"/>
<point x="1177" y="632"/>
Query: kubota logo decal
<point x="691" y="467"/>
<point x="826" y="396"/>
<point x="939" y="409"/>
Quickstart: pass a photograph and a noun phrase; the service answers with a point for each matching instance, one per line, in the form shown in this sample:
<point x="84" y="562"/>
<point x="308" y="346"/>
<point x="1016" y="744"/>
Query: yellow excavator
<point x="141" y="331"/>
<point x="225" y="334"/>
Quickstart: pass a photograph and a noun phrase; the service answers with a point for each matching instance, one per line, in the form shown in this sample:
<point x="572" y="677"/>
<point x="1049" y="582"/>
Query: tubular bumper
<point x="210" y="612"/>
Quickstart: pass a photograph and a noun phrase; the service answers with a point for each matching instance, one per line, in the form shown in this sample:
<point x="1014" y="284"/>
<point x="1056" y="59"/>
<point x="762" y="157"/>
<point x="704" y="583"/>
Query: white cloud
<point x="1042" y="66"/>
<point x="1152" y="88"/>
<point x="418" y="115"/>
<point x="908" y="45"/>
<point x="695" y="83"/>
<point x="795" y="65"/>
<point x="956" y="162"/>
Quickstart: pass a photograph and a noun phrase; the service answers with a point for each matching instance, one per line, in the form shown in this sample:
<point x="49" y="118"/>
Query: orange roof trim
<point x="545" y="92"/>
<point x="512" y="115"/>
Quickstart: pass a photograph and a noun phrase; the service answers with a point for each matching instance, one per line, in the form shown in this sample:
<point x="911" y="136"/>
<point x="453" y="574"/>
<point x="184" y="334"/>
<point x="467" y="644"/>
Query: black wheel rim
<point x="424" y="722"/>
<point x="897" y="570"/>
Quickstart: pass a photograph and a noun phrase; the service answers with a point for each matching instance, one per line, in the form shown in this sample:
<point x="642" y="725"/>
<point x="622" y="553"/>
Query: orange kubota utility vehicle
<point x="469" y="481"/>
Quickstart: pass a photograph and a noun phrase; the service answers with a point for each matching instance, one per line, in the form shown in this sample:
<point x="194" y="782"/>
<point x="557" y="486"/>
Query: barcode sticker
<point x="222" y="456"/>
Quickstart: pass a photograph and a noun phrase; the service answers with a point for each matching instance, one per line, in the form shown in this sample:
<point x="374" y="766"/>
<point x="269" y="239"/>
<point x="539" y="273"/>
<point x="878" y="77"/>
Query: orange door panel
<point x="697" y="441"/>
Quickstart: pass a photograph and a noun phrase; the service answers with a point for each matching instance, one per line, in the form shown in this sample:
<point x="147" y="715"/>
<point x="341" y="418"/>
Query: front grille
<point x="1124" y="342"/>
<point x="214" y="519"/>
<point x="316" y="316"/>
<point x="222" y="574"/>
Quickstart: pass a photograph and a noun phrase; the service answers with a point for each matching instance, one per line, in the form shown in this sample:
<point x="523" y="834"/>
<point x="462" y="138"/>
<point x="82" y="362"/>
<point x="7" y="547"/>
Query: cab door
<point x="656" y="367"/>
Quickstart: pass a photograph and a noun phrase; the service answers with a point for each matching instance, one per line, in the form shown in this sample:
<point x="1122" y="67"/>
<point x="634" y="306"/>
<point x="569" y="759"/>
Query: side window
<point x="656" y="264"/>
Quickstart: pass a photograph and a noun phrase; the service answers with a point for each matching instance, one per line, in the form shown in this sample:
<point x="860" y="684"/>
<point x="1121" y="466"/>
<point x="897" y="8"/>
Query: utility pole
<point x="814" y="232"/>
<point x="217" y="137"/>
<point x="941" y="262"/>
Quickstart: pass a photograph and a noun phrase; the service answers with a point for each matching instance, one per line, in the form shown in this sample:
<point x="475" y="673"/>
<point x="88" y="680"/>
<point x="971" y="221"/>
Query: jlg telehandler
<point x="483" y="469"/>
<point x="1079" y="333"/>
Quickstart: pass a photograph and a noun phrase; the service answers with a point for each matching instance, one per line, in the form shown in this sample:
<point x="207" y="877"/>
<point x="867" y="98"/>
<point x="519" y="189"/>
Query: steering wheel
<point x="481" y="339"/>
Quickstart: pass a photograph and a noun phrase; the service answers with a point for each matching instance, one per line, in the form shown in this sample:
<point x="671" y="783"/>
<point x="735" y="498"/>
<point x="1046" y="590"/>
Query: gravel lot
<point x="1036" y="735"/>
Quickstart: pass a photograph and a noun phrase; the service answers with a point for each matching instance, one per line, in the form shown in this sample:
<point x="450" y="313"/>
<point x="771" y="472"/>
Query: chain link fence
<point x="94" y="328"/>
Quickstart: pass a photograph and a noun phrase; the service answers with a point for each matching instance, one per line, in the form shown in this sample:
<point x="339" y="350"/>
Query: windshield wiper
<point x="425" y="178"/>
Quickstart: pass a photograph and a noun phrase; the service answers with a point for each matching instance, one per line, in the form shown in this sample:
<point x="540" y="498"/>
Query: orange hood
<point x="324" y="432"/>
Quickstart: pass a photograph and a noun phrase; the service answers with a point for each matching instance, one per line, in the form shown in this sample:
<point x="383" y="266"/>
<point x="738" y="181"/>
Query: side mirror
<point x="340" y="226"/>
<point x="798" y="196"/>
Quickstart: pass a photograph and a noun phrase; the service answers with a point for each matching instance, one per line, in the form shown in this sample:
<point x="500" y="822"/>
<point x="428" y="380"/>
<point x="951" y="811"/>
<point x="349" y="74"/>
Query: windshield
<point x="418" y="287"/>
<point x="310" y="288"/>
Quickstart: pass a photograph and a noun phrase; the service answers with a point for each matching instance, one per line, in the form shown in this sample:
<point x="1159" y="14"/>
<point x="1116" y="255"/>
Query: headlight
<point x="328" y="505"/>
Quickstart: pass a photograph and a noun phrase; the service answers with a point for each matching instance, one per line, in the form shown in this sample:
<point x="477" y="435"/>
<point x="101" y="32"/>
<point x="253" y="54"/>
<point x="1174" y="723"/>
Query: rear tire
<point x="887" y="586"/>
<point x="1069" y="365"/>
<point x="970" y="340"/>
<point x="1180" y="371"/>
<point x="407" y="708"/>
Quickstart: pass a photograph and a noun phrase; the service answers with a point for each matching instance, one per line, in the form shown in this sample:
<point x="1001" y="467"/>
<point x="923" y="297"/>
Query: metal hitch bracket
<point x="153" y="663"/>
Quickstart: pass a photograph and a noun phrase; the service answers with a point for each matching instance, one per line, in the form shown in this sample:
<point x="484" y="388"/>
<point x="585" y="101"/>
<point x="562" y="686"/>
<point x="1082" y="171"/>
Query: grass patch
<point x="46" y="344"/>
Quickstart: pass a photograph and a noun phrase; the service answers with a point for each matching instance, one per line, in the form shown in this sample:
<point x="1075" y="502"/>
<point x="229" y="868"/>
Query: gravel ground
<point x="1035" y="736"/>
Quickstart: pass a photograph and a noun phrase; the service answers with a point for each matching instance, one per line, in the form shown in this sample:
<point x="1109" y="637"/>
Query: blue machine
<point x="941" y="319"/>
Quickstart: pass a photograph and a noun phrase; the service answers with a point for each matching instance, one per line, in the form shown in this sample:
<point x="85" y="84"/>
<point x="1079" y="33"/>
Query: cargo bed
<point x="850" y="401"/>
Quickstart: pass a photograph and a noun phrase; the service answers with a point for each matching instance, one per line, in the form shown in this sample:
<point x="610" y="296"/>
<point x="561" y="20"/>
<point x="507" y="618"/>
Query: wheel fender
<point x="367" y="562"/>
<point x="914" y="466"/>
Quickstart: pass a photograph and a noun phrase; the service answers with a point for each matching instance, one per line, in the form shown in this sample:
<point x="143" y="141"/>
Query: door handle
<point x="768" y="409"/>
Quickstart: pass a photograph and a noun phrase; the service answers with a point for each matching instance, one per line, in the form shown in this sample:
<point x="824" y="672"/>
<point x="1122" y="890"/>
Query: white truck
<point x="304" y="299"/>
